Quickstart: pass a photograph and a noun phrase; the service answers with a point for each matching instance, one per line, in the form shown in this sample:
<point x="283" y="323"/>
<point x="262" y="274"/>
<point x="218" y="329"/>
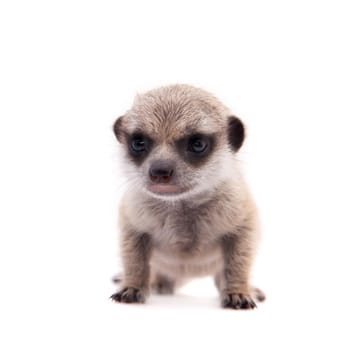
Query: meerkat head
<point x="179" y="141"/>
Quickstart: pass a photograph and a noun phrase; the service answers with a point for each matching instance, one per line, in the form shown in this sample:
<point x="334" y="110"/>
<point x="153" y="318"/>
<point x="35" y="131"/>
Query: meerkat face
<point x="178" y="141"/>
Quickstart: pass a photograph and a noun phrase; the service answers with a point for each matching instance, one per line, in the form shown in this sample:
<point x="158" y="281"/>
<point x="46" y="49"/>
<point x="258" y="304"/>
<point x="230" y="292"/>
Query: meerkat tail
<point x="258" y="294"/>
<point x="117" y="279"/>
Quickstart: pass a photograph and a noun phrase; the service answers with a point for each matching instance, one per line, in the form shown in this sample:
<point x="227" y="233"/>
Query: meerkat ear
<point x="235" y="132"/>
<point x="118" y="129"/>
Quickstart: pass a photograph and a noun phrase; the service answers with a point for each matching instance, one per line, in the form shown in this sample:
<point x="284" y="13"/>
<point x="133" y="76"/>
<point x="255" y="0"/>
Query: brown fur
<point x="210" y="229"/>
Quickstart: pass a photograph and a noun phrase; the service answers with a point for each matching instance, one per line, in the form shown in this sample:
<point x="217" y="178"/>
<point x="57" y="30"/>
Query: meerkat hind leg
<point x="161" y="284"/>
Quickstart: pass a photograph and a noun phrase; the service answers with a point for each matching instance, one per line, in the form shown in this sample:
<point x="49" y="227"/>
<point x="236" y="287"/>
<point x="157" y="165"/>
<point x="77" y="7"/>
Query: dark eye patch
<point x="195" y="148"/>
<point x="139" y="145"/>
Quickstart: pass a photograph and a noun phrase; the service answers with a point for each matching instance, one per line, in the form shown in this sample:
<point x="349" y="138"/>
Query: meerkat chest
<point x="186" y="246"/>
<point x="183" y="232"/>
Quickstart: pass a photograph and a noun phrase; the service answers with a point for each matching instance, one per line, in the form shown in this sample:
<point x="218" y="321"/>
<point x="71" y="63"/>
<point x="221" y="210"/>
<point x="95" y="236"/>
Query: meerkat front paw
<point x="237" y="301"/>
<point x="129" y="295"/>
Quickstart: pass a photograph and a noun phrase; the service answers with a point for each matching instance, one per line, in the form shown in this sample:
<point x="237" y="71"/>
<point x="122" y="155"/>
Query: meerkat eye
<point x="138" y="144"/>
<point x="197" y="144"/>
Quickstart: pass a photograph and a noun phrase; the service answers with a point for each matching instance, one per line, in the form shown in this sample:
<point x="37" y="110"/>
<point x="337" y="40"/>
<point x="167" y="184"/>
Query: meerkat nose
<point x="161" y="172"/>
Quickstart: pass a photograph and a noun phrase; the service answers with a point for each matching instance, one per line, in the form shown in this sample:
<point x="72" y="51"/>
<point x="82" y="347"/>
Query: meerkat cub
<point x="187" y="211"/>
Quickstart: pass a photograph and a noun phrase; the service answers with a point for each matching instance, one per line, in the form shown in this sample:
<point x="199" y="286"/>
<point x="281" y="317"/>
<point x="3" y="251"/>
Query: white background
<point x="69" y="68"/>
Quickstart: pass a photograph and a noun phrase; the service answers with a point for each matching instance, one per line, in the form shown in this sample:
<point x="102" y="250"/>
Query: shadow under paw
<point x="238" y="301"/>
<point x="129" y="295"/>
